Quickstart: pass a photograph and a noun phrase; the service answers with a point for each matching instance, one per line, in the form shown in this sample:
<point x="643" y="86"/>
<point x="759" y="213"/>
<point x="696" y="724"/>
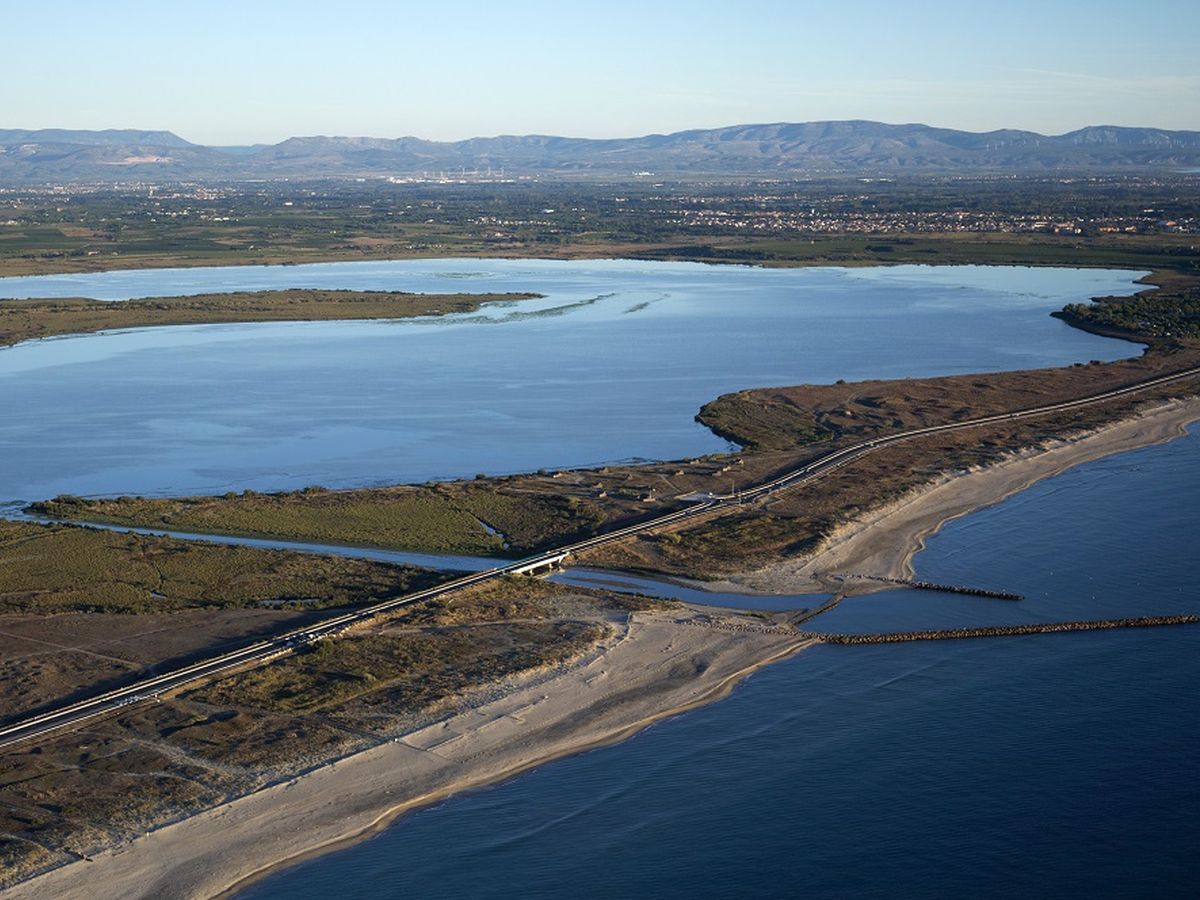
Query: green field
<point x="1139" y="222"/>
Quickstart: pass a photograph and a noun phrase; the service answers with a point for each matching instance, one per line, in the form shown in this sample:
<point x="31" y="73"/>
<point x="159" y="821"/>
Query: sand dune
<point x="659" y="664"/>
<point x="883" y="543"/>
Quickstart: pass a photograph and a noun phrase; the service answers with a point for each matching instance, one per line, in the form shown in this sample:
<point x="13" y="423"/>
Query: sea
<point x="1058" y="765"/>
<point x="1040" y="766"/>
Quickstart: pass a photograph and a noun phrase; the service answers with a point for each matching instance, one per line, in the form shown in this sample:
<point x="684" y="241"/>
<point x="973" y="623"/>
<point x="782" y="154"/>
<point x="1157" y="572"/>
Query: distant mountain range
<point x="812" y="148"/>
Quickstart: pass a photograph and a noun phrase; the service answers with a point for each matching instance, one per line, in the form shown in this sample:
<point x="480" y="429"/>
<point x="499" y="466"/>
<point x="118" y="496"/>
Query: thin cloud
<point x="1186" y="82"/>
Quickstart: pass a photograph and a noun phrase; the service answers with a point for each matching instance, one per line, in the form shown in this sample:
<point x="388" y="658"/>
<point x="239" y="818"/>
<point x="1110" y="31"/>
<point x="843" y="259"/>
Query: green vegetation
<point x="404" y="519"/>
<point x="446" y="518"/>
<point x="57" y="569"/>
<point x="22" y="320"/>
<point x="1167" y="314"/>
<point x="529" y="521"/>
<point x="994" y="249"/>
<point x="1141" y="222"/>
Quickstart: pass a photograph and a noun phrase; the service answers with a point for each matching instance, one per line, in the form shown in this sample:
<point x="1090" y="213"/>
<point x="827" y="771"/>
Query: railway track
<point x="263" y="651"/>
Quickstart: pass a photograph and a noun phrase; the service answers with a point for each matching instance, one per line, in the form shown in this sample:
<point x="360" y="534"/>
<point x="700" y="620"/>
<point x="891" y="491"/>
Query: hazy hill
<point x="121" y="137"/>
<point x="777" y="149"/>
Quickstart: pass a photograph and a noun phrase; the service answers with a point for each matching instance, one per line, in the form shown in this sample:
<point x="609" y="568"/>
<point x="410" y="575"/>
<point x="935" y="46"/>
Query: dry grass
<point x="59" y="568"/>
<point x="154" y="762"/>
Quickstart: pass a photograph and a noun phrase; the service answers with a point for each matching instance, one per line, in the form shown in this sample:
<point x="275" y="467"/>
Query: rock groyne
<point x="946" y="634"/>
<point x="942" y="588"/>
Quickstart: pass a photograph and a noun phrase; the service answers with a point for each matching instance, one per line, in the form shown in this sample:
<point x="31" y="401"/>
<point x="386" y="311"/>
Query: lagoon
<point x="1007" y="768"/>
<point x="1042" y="766"/>
<point x="610" y="365"/>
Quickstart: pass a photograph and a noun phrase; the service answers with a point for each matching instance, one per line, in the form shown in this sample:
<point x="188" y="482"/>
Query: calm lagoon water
<point x="1047" y="766"/>
<point x="1042" y="766"/>
<point x="612" y="364"/>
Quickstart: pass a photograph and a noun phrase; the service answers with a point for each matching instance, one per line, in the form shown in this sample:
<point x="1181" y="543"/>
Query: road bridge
<point x="542" y="565"/>
<point x="260" y="652"/>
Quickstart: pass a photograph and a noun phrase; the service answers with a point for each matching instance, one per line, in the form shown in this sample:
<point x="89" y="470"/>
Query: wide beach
<point x="655" y="665"/>
<point x="882" y="544"/>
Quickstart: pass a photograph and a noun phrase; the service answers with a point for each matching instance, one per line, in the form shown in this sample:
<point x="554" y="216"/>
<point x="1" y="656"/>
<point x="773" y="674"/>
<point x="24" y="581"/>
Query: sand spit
<point x="884" y="543"/>
<point x="657" y="664"/>
<point x="660" y="663"/>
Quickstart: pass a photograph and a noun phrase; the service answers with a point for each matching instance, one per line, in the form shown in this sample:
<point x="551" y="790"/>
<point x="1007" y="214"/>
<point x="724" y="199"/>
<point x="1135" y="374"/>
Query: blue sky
<point x="223" y="72"/>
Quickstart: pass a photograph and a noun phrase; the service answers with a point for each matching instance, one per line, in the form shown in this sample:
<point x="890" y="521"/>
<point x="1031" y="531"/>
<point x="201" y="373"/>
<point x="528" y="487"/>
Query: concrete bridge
<point x="543" y="565"/>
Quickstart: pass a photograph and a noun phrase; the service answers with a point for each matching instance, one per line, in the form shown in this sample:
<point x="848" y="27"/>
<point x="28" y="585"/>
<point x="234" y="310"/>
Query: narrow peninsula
<point x="23" y="320"/>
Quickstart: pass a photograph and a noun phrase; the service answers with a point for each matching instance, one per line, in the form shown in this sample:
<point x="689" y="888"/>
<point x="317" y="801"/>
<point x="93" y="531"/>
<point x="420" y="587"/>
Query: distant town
<point x="378" y="217"/>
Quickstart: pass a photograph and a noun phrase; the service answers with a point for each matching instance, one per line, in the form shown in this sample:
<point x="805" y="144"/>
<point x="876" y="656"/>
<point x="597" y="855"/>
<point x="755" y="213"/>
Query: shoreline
<point x="659" y="665"/>
<point x="213" y="852"/>
<point x="32" y="320"/>
<point x="581" y="253"/>
<point x="540" y="719"/>
<point x="883" y="543"/>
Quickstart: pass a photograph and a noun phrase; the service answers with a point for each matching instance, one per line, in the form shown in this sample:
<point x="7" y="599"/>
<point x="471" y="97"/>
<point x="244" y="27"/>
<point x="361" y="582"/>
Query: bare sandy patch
<point x="656" y="664"/>
<point x="883" y="543"/>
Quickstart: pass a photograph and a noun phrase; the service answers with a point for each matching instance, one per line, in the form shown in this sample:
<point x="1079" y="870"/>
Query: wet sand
<point x="657" y="664"/>
<point x="883" y="543"/>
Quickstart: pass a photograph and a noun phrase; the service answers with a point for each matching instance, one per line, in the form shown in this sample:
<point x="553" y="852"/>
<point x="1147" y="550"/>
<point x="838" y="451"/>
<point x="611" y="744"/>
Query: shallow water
<point x="579" y="576"/>
<point x="611" y="365"/>
<point x="1043" y="766"/>
<point x="622" y="582"/>
<point x="1006" y="768"/>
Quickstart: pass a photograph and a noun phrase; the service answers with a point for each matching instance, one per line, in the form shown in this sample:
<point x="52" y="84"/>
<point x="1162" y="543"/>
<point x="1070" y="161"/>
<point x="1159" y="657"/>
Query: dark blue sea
<point x="1050" y="766"/>
<point x="1060" y="765"/>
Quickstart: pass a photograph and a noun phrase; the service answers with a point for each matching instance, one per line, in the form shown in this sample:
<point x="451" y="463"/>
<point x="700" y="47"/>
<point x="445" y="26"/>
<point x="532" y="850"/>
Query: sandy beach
<point x="883" y="543"/>
<point x="657" y="664"/>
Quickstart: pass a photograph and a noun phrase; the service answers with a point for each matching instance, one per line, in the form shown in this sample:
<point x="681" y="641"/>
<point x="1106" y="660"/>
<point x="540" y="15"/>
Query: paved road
<point x="149" y="689"/>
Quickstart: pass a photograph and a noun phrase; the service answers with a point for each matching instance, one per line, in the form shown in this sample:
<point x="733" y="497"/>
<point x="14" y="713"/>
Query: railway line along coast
<point x="260" y="652"/>
<point x="618" y="667"/>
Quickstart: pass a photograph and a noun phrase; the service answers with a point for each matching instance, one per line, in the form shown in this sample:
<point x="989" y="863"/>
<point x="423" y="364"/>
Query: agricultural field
<point x="1131" y="221"/>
